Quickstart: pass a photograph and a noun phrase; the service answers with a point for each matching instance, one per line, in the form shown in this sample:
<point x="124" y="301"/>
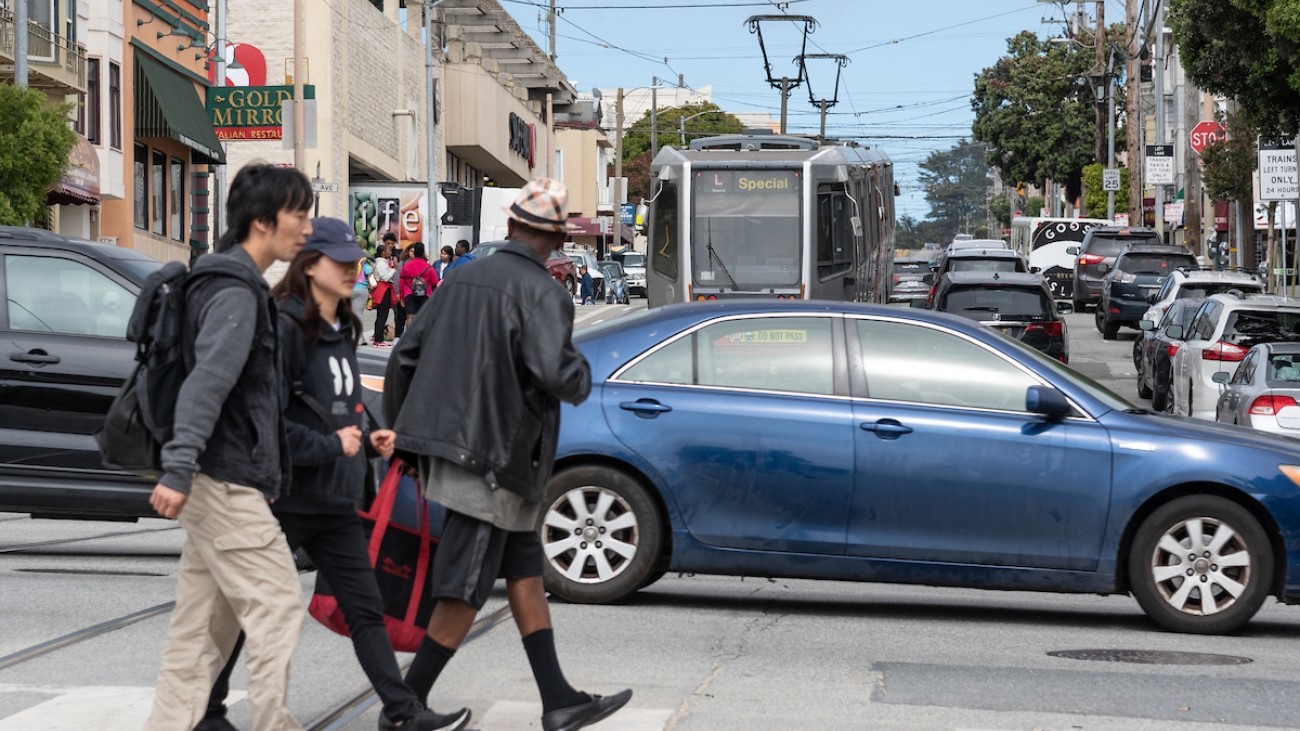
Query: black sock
<point x="556" y="691"/>
<point x="427" y="665"/>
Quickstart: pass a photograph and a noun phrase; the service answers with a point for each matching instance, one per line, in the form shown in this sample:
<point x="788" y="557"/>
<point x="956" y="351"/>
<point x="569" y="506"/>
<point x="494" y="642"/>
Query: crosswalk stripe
<point x="86" y="708"/>
<point x="511" y="715"/>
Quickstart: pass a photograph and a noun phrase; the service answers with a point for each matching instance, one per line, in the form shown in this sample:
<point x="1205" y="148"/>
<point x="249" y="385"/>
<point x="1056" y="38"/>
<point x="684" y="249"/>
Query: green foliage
<point x="637" y="172"/>
<point x="1230" y="164"/>
<point x="1094" y="198"/>
<point x="1000" y="207"/>
<point x="1036" y="112"/>
<point x="956" y="185"/>
<point x="34" y="143"/>
<point x="913" y="233"/>
<point x="1248" y="50"/>
<point x="636" y="139"/>
<point x="1034" y="205"/>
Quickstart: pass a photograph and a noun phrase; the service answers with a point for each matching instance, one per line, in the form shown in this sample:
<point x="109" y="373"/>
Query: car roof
<point x="1001" y="279"/>
<point x="1122" y="231"/>
<point x="1191" y="276"/>
<point x="977" y="244"/>
<point x="984" y="254"/>
<point x="1255" y="301"/>
<point x="1155" y="249"/>
<point x="1279" y="347"/>
<point x="39" y="239"/>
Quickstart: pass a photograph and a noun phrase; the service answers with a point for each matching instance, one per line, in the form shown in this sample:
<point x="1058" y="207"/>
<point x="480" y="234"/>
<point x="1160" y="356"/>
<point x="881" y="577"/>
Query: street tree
<point x="1230" y="163"/>
<point x="1034" y="111"/>
<point x="956" y="185"/>
<point x="712" y="120"/>
<point x="34" y="144"/>
<point x="1094" y="196"/>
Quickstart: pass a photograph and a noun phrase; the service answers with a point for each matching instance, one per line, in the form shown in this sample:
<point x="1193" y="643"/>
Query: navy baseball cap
<point x="334" y="239"/>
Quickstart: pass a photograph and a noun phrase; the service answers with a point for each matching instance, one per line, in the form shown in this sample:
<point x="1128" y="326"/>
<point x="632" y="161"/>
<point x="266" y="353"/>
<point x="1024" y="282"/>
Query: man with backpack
<point x="227" y="461"/>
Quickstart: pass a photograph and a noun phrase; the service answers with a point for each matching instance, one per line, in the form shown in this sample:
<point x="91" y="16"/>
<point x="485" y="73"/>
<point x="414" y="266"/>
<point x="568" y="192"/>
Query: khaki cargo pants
<point x="236" y="571"/>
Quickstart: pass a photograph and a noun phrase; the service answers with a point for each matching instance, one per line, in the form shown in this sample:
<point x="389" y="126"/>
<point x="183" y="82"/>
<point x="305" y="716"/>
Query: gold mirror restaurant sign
<point x="250" y="112"/>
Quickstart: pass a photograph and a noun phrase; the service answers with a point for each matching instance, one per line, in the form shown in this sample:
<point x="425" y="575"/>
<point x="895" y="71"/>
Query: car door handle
<point x="645" y="406"/>
<point x="35" y="356"/>
<point x="886" y="428"/>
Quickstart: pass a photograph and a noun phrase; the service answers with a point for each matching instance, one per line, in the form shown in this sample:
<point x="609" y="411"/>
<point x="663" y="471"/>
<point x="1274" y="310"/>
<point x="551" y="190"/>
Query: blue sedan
<point x="855" y="442"/>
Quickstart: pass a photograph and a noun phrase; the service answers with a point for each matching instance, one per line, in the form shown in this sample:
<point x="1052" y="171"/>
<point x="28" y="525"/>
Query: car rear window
<point x="1155" y="264"/>
<point x="1000" y="264"/>
<point x="1251" y="327"/>
<point x="1201" y="291"/>
<point x="1112" y="245"/>
<point x="981" y="303"/>
<point x="1284" y="367"/>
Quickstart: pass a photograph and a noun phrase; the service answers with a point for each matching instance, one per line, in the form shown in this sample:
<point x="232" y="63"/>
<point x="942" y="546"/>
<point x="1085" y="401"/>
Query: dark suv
<point x="976" y="260"/>
<point x="1017" y="304"/>
<point x="1138" y="273"/>
<point x="1100" y="247"/>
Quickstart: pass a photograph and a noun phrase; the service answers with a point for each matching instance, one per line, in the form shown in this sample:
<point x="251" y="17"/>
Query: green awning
<point x="167" y="105"/>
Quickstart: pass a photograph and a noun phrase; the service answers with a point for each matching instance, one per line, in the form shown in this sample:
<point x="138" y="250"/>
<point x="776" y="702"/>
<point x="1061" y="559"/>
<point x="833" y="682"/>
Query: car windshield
<point x="983" y="303"/>
<point x="1246" y="328"/>
<point x="1112" y="244"/>
<point x="999" y="264"/>
<point x="1153" y="264"/>
<point x="486" y="249"/>
<point x="613" y="271"/>
<point x="633" y="260"/>
<point x="745" y="228"/>
<point x="1201" y="291"/>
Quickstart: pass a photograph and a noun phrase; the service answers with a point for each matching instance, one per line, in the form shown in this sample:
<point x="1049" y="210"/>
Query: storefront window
<point x="141" y="187"/>
<point x="177" y="197"/>
<point x="158" y="197"/>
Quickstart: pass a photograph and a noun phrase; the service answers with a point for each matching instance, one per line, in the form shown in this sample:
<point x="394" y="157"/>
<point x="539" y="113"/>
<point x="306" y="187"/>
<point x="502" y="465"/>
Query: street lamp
<point x="682" y="121"/>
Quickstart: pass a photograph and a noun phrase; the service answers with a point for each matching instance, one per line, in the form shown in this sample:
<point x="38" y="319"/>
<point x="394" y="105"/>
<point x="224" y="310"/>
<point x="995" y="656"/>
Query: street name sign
<point x="1160" y="164"/>
<point x="1277" y="171"/>
<point x="321" y="186"/>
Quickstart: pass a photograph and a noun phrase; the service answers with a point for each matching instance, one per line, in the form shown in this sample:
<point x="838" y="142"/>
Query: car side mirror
<point x="1175" y="332"/>
<point x="1103" y="268"/>
<point x="1064" y="307"/>
<point x="1035" y="270"/>
<point x="918" y="303"/>
<point x="1221" y="377"/>
<point x="928" y="279"/>
<point x="1047" y="401"/>
<point x="1072" y="250"/>
<point x="1146" y="326"/>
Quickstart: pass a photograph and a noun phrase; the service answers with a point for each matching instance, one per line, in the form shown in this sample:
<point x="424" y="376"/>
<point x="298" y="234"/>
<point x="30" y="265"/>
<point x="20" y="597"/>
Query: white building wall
<point x="105" y="38"/>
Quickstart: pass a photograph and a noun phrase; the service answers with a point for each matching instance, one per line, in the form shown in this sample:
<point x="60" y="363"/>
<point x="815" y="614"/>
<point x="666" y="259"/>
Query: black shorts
<point x="473" y="554"/>
<point x="413" y="304"/>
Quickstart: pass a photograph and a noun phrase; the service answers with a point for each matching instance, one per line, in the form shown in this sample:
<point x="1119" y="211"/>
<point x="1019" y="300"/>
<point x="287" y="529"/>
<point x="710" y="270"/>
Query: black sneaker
<point x="427" y="720"/>
<point x="573" y="718"/>
<point x="215" y="723"/>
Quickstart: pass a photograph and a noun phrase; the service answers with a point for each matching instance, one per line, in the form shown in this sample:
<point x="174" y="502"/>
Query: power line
<point x="940" y="30"/>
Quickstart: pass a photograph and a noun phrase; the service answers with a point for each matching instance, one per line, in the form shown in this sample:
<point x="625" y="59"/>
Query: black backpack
<point x="141" y="418"/>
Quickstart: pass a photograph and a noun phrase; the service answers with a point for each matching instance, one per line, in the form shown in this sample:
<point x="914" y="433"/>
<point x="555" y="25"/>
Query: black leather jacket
<point x="479" y="376"/>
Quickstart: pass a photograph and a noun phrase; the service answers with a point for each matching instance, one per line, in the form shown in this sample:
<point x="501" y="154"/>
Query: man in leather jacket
<point x="486" y="448"/>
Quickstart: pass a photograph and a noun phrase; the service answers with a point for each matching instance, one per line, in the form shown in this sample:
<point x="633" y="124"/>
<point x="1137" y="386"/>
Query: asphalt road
<point x="706" y="653"/>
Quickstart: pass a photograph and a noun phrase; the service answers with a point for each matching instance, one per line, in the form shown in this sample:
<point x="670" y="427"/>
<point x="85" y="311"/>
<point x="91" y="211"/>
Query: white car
<point x="1199" y="284"/>
<point x="1221" y="332"/>
<point x="634" y="266"/>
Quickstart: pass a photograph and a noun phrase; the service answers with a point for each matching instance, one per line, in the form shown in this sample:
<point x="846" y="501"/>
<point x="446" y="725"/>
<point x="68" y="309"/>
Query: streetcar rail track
<point x="81" y="635"/>
<point x="21" y="547"/>
<point x="339" y="717"/>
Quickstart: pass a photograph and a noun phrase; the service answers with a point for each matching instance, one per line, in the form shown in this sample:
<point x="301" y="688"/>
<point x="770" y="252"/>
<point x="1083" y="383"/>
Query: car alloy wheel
<point x="601" y="535"/>
<point x="1201" y="564"/>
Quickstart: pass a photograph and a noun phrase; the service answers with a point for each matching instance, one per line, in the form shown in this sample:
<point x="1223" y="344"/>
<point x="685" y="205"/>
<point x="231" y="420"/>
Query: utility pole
<point x="654" y="116"/>
<point x="1158" y="76"/>
<point x="785" y="100"/>
<point x="217" y="194"/>
<point x="20" y="44"/>
<point x="1110" y="136"/>
<point x="299" y="110"/>
<point x="434" y="223"/>
<point x="1135" y="126"/>
<point x="551" y="25"/>
<point x="1100" y="42"/>
<point x="618" y="153"/>
<point x="1192" y="234"/>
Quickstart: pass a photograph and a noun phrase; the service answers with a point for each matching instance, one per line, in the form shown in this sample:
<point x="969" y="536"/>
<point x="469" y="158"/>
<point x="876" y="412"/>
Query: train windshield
<point x="745" y="228"/>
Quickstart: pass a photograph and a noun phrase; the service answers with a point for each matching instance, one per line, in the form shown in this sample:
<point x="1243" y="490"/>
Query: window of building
<point x="141" y="187"/>
<point x="158" y="194"/>
<point x="177" y="198"/>
<point x="93" y="102"/>
<point x="114" y="105"/>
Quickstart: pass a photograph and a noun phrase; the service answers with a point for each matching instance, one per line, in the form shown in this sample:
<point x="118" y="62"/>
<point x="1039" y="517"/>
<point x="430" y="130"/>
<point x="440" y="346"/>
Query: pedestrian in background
<point x="361" y="288"/>
<point x="383" y="295"/>
<point x="445" y="257"/>
<point x="587" y="288"/>
<point x="227" y="463"/>
<point x="462" y="255"/>
<point x="418" y="281"/>
<point x="487" y="452"/>
<point x="329" y="444"/>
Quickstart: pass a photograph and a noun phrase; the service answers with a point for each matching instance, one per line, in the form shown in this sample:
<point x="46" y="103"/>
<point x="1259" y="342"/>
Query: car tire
<point x="572" y="284"/>
<point x="602" y="534"/>
<point x="1109" y="330"/>
<point x="1097" y="320"/>
<point x="1230" y="580"/>
<point x="1159" y="398"/>
<point x="1137" y="350"/>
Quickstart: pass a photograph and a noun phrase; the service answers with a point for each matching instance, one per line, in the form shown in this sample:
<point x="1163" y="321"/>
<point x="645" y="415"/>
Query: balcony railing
<point x="53" y="61"/>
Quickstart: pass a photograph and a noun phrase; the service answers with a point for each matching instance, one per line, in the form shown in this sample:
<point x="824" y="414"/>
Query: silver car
<point x="1264" y="392"/>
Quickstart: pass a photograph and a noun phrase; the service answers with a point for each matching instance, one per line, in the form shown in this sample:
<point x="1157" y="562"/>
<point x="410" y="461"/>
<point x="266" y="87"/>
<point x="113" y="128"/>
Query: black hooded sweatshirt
<point x="324" y="481"/>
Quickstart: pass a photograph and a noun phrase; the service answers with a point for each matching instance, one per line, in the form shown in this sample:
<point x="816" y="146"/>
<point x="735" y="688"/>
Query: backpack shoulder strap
<point x="296" y="368"/>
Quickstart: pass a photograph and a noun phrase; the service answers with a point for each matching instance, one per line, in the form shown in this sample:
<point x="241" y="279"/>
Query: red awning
<point x="581" y="226"/>
<point x="80" y="182"/>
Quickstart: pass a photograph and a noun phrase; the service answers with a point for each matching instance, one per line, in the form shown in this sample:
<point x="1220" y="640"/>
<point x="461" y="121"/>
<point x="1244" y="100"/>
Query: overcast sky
<point x="906" y="88"/>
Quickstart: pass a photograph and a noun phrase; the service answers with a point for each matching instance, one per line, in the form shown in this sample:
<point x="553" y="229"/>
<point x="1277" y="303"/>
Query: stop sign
<point x="1205" y="134"/>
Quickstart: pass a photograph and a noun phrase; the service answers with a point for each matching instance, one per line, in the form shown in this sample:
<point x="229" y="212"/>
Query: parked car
<point x="1018" y="305"/>
<point x="1262" y="393"/>
<point x="973" y="243"/>
<point x="1222" y="330"/>
<point x="1159" y="342"/>
<point x="561" y="267"/>
<point x="616" y="289"/>
<point x="845" y="441"/>
<point x="66" y="307"/>
<point x="634" y="267"/>
<point x="1126" y="288"/>
<point x="910" y="280"/>
<point x="582" y="257"/>
<point x="976" y="259"/>
<point x="1099" y="248"/>
<point x="1195" y="284"/>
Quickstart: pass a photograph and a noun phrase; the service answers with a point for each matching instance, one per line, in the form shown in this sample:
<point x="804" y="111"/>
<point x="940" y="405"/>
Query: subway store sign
<point x="250" y="112"/>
